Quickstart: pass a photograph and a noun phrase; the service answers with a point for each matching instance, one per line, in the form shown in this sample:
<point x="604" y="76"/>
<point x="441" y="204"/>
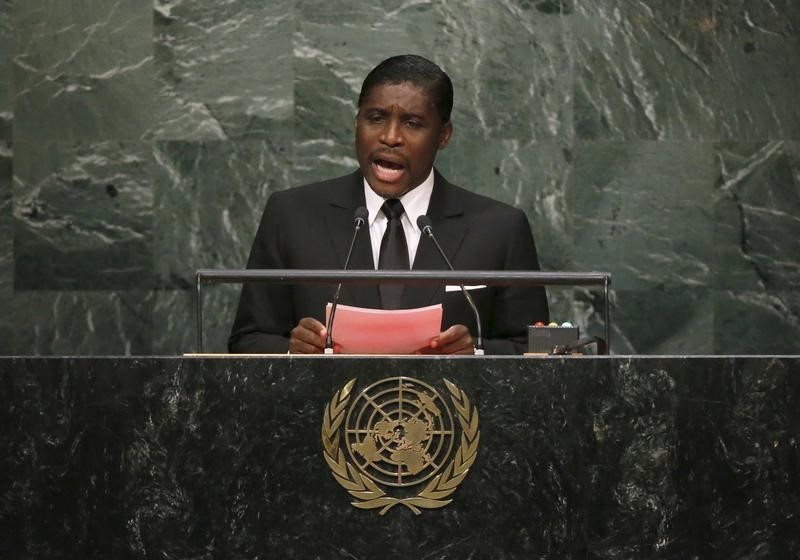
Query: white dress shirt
<point x="415" y="202"/>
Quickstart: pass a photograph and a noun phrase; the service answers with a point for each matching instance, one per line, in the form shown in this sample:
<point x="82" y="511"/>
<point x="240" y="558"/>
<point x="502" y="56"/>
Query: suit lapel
<point x="339" y="226"/>
<point x="449" y="227"/>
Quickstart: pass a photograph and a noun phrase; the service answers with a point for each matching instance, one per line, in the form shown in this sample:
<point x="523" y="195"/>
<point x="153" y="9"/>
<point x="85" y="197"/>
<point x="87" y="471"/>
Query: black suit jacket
<point x="311" y="227"/>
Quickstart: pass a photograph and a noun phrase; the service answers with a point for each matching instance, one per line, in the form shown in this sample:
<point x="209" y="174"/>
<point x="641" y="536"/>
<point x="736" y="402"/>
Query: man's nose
<point x="391" y="135"/>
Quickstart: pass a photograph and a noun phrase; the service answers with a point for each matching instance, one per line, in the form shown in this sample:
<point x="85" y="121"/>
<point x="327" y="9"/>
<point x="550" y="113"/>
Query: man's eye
<point x="375" y="119"/>
<point x="413" y="124"/>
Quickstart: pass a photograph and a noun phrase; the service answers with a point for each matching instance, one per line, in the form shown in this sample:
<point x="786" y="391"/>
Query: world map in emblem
<point x="399" y="431"/>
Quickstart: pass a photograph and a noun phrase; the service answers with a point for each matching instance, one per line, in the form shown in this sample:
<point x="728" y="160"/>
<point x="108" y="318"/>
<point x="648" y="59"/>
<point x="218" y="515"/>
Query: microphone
<point x="359" y="219"/>
<point x="424" y="223"/>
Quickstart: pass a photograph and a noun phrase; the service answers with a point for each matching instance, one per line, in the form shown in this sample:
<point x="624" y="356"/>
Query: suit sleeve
<point x="265" y="316"/>
<point x="514" y="308"/>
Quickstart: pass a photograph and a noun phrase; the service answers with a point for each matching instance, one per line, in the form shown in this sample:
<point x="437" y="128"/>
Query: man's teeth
<point x="386" y="173"/>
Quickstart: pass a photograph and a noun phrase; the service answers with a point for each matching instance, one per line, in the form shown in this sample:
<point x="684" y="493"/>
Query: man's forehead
<point x="379" y="88"/>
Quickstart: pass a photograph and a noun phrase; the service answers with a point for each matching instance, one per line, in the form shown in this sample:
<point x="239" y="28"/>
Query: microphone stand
<point x="424" y="223"/>
<point x="360" y="218"/>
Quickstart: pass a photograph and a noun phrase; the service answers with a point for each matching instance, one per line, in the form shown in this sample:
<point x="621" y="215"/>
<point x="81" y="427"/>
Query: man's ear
<point x="445" y="134"/>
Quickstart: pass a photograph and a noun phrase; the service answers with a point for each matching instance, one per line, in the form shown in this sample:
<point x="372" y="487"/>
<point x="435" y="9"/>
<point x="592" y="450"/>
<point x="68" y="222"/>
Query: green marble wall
<point x="657" y="140"/>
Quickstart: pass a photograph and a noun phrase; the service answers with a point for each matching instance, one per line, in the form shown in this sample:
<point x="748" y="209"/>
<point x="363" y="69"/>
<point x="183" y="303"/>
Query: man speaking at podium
<point x="403" y="120"/>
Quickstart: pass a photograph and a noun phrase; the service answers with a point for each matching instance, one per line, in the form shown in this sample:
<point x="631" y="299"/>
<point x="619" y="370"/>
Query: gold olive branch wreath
<point x="368" y="495"/>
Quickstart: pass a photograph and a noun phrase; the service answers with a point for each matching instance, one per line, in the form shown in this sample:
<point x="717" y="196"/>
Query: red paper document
<point x="360" y="330"/>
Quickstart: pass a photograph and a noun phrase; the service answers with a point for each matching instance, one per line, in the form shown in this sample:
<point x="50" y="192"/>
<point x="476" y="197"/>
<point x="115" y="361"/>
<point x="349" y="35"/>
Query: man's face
<point x="398" y="132"/>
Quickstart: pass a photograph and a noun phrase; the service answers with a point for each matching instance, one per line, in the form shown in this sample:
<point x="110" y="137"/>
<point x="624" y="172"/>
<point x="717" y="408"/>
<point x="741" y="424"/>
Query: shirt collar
<point x="415" y="202"/>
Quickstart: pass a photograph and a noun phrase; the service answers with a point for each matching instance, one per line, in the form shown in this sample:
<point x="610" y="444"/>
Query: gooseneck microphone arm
<point x="359" y="218"/>
<point x="426" y="226"/>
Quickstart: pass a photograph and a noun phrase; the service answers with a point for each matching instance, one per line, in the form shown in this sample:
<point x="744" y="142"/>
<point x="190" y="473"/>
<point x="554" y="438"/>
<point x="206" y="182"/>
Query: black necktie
<point x="394" y="252"/>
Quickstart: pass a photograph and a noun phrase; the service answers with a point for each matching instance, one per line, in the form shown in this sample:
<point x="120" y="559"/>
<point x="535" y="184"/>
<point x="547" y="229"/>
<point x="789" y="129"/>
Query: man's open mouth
<point x="387" y="171"/>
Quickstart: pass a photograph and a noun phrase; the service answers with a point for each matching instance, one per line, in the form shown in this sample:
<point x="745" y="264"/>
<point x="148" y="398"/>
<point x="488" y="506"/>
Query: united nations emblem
<point x="399" y="435"/>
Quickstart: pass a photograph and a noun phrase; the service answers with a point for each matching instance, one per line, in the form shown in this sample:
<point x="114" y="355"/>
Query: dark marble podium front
<point x="607" y="457"/>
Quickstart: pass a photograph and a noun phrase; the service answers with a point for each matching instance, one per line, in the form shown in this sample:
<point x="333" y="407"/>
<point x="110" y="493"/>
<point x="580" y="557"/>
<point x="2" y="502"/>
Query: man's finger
<point x="455" y="340"/>
<point x="313" y="325"/>
<point x="308" y="337"/>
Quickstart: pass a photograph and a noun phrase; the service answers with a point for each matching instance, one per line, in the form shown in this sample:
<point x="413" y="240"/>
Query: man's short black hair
<point x="418" y="71"/>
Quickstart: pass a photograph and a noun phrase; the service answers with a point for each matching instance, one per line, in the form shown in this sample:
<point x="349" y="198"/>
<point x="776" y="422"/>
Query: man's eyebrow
<point x="405" y="115"/>
<point x="410" y="115"/>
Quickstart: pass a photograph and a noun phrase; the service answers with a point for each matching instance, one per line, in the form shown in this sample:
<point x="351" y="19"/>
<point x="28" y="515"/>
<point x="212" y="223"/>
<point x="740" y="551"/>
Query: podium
<point x="579" y="457"/>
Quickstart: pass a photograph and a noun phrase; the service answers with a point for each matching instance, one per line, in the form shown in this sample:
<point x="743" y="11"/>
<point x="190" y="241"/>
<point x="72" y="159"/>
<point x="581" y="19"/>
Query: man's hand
<point x="308" y="337"/>
<point x="455" y="340"/>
